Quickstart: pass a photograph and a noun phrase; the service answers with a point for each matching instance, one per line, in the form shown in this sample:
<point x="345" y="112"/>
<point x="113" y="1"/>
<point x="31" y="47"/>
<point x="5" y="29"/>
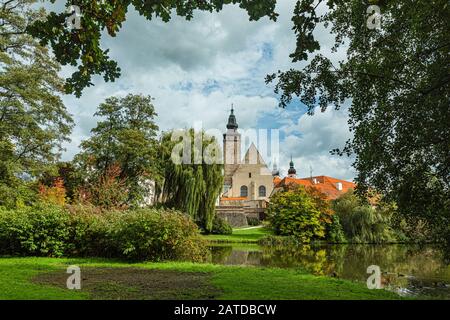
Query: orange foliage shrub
<point x="56" y="194"/>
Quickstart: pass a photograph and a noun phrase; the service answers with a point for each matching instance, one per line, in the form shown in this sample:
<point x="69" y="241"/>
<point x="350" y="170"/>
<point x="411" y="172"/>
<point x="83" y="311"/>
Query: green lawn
<point x="44" y="278"/>
<point x="240" y="236"/>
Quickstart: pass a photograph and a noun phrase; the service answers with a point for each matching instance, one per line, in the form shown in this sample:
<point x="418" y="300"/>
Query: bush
<point x="148" y="234"/>
<point x="252" y="221"/>
<point x="39" y="231"/>
<point x="295" y="213"/>
<point x="156" y="235"/>
<point x="220" y="226"/>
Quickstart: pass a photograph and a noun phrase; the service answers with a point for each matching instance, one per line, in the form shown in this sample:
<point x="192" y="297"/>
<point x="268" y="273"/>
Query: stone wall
<point x="235" y="216"/>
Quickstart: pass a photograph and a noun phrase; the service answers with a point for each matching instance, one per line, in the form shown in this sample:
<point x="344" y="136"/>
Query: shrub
<point x="39" y="231"/>
<point x="220" y="226"/>
<point x="148" y="234"/>
<point x="89" y="231"/>
<point x="294" y="213"/>
<point x="156" y="235"/>
<point x="252" y="221"/>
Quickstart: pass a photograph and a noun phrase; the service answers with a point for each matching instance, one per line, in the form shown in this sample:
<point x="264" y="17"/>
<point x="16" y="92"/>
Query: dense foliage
<point x="145" y="234"/>
<point x="33" y="119"/>
<point x="55" y="194"/>
<point x="193" y="185"/>
<point x="303" y="214"/>
<point x="107" y="191"/>
<point x="220" y="226"/>
<point x="123" y="142"/>
<point x="396" y="80"/>
<point x="334" y="231"/>
<point x="253" y="221"/>
<point x="363" y="223"/>
<point x="295" y="213"/>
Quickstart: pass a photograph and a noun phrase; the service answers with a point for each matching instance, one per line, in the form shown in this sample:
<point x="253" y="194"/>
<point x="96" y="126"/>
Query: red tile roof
<point x="324" y="184"/>
<point x="232" y="198"/>
<point x="276" y="180"/>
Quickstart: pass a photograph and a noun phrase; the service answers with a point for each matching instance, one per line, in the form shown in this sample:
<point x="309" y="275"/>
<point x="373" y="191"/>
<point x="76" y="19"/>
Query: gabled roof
<point x="253" y="156"/>
<point x="325" y="184"/>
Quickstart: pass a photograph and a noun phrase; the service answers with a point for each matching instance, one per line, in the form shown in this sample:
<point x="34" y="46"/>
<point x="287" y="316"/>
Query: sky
<point x="196" y="69"/>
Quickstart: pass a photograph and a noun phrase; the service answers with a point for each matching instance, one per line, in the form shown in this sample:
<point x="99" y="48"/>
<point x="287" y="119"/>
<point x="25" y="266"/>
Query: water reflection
<point x="407" y="269"/>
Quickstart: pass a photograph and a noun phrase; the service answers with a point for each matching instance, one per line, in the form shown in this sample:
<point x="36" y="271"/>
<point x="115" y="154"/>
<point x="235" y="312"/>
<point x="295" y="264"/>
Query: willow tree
<point x="193" y="177"/>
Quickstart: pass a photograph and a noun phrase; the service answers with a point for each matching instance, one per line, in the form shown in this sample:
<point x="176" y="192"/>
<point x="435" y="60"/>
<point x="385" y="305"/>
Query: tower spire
<point x="292" y="172"/>
<point x="232" y="123"/>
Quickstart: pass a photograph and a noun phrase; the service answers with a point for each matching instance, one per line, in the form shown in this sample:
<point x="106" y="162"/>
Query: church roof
<point x="291" y="167"/>
<point x="232" y="123"/>
<point x="253" y="156"/>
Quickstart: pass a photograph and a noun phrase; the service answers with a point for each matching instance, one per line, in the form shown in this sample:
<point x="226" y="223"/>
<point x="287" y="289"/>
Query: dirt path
<point x="137" y="284"/>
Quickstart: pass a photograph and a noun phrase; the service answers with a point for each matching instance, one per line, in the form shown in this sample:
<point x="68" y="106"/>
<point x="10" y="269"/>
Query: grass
<point x="239" y="236"/>
<point x="44" y="278"/>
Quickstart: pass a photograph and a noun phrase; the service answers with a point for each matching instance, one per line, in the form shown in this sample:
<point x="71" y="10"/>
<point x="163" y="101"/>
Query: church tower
<point x="231" y="150"/>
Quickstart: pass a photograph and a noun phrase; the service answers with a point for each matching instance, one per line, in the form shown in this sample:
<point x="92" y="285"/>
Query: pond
<point x="409" y="270"/>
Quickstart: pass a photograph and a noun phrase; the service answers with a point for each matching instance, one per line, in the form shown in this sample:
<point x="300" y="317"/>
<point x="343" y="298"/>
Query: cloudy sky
<point x="196" y="69"/>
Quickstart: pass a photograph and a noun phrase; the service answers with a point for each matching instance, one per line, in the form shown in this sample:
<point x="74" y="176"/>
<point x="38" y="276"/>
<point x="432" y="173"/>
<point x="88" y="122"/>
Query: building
<point x="329" y="186"/>
<point x="248" y="182"/>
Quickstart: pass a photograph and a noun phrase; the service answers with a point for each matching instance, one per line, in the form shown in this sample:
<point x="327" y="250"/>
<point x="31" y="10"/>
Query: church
<point x="249" y="183"/>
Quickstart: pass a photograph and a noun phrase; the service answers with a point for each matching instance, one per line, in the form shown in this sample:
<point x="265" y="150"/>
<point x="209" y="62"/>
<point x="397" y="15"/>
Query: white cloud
<point x="311" y="138"/>
<point x="196" y="69"/>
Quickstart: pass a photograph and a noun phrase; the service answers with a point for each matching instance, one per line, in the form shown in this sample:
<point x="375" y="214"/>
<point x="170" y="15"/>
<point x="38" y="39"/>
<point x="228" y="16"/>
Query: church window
<point x="250" y="175"/>
<point x="262" y="191"/>
<point x="244" y="191"/>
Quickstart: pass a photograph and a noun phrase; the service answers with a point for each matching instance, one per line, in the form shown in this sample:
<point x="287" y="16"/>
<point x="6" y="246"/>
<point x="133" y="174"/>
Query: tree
<point x="127" y="138"/>
<point x="33" y="119"/>
<point x="82" y="47"/>
<point x="294" y="212"/>
<point x="363" y="223"/>
<point x="55" y="194"/>
<point x="107" y="192"/>
<point x="397" y="80"/>
<point x="192" y="186"/>
<point x="68" y="173"/>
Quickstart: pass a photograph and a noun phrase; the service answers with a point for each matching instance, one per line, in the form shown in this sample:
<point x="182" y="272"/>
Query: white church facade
<point x="249" y="183"/>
